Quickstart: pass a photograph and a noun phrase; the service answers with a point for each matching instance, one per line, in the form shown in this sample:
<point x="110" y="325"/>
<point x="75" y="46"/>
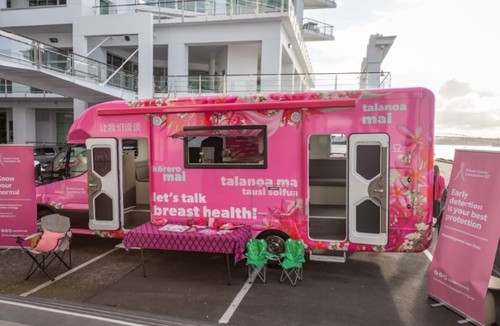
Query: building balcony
<point x="177" y="86"/>
<point x="185" y="9"/>
<point x="48" y="61"/>
<point x="319" y="4"/>
<point x="201" y="11"/>
<point x="21" y="13"/>
<point x="24" y="4"/>
<point x="313" y="30"/>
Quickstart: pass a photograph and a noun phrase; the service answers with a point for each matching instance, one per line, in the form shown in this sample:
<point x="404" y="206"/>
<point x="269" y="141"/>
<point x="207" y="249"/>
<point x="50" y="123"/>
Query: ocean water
<point x="447" y="152"/>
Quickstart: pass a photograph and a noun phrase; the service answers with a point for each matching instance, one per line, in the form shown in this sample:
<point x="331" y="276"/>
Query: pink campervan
<point x="343" y="171"/>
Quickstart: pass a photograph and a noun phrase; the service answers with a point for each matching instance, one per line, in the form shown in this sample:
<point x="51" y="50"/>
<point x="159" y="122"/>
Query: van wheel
<point x="275" y="243"/>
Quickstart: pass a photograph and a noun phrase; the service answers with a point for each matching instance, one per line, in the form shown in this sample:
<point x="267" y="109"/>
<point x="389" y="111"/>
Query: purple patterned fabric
<point x="148" y="236"/>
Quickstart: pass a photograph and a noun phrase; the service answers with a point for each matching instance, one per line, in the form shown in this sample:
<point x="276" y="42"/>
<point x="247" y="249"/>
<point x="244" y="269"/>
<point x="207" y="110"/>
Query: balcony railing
<point x="317" y="27"/>
<point x="24" y="51"/>
<point x="20" y="50"/>
<point x="196" y="9"/>
<point x="173" y="86"/>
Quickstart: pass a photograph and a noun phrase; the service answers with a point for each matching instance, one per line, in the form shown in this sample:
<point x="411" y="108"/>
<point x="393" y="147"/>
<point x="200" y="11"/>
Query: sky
<point x="451" y="47"/>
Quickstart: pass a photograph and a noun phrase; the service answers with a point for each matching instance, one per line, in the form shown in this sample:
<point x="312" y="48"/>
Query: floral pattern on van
<point x="272" y="118"/>
<point x="273" y="97"/>
<point x="287" y="217"/>
<point x="409" y="180"/>
<point x="409" y="230"/>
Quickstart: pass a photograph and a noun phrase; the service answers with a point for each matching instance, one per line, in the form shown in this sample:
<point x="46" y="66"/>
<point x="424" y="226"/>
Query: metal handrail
<point x="175" y="85"/>
<point x="42" y="56"/>
<point x="317" y="27"/>
<point x="21" y="50"/>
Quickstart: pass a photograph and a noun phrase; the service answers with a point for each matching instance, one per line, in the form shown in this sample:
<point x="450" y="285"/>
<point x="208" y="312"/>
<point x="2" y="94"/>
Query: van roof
<point x="275" y="101"/>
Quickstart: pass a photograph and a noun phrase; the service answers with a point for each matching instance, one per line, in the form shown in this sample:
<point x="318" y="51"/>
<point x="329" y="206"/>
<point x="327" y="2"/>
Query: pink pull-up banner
<point x="459" y="273"/>
<point x="17" y="193"/>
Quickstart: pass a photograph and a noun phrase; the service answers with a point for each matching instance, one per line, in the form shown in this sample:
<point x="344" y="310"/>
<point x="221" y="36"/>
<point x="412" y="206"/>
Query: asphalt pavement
<point x="106" y="286"/>
<point x="184" y="288"/>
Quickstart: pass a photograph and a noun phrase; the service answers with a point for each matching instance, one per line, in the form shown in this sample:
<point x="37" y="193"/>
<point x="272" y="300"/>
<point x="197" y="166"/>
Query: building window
<point x="43" y="3"/>
<point x="63" y="123"/>
<point x="3" y="127"/>
<point x="126" y="75"/>
<point x="5" y="86"/>
<point x="160" y="77"/>
<point x="104" y="7"/>
<point x="242" y="147"/>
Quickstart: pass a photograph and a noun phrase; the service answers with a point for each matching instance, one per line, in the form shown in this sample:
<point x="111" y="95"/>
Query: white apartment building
<point x="82" y="52"/>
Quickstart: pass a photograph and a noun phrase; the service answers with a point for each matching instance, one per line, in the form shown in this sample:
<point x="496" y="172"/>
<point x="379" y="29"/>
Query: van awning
<point x="214" y="132"/>
<point x="329" y="104"/>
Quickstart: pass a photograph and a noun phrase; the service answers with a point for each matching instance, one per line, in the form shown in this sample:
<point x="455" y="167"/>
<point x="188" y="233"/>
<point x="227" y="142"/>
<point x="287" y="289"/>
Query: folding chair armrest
<point x="20" y="240"/>
<point x="31" y="236"/>
<point x="64" y="242"/>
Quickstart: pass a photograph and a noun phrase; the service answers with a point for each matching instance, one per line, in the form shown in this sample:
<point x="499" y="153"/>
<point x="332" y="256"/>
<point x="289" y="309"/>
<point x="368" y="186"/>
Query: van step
<point x="328" y="256"/>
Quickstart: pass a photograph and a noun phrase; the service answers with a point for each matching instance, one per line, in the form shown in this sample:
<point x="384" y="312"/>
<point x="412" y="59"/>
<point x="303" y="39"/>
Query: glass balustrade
<point x="253" y="84"/>
<point x="19" y="50"/>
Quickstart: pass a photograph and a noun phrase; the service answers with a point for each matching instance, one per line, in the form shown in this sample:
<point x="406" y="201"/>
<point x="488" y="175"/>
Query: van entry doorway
<point x="328" y="187"/>
<point x="118" y="178"/>
<point x="348" y="188"/>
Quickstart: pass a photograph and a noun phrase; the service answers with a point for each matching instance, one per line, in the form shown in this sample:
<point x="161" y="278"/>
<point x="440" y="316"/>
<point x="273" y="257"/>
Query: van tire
<point x="275" y="243"/>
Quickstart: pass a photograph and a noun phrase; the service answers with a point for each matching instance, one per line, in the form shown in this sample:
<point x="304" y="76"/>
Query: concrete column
<point x="24" y="125"/>
<point x="178" y="65"/>
<point x="221" y="7"/>
<point x="287" y="81"/>
<point x="78" y="107"/>
<point x="271" y="64"/>
<point x="299" y="10"/>
<point x="80" y="45"/>
<point x="377" y="49"/>
<point x="211" y="72"/>
<point x="145" y="86"/>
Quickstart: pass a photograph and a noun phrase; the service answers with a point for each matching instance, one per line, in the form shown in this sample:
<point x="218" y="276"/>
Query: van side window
<point x="70" y="162"/>
<point x="242" y="147"/>
<point x="77" y="161"/>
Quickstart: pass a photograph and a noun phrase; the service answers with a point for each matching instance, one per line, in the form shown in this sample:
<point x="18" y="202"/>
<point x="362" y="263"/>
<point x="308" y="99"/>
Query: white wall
<point x="84" y="28"/>
<point x="24" y="124"/>
<point x="45" y="128"/>
<point x="39" y="16"/>
<point x="243" y="59"/>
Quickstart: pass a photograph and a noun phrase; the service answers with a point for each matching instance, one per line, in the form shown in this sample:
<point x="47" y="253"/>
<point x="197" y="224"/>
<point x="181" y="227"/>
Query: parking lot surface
<point x="183" y="288"/>
<point x="106" y="287"/>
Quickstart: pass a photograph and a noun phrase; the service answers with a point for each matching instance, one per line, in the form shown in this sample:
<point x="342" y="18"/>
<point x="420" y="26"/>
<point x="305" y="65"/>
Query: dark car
<point x="45" y="153"/>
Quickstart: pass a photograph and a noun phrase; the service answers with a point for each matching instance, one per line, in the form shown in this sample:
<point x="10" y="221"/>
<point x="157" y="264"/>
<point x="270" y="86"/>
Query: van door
<point x="104" y="183"/>
<point x="368" y="188"/>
